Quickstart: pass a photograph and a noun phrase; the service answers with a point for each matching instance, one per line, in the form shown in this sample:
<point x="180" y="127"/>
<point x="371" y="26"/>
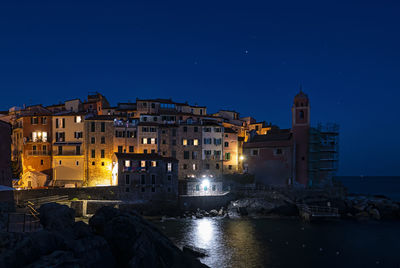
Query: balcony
<point x="38" y="153"/>
<point x="68" y="153"/>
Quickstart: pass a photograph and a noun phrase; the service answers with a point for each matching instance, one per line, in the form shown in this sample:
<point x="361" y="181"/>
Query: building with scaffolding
<point x="323" y="154"/>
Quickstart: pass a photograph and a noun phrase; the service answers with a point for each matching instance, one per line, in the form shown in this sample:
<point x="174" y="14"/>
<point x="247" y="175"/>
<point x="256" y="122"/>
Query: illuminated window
<point x="194" y="167"/>
<point x="143" y="163"/>
<point x="169" y="167"/>
<point x="184" y="142"/>
<point x="195" y="142"/>
<point x="153" y="163"/>
<point x="34" y="136"/>
<point x="153" y="141"/>
<point x="144" y="141"/>
<point x="78" y="119"/>
<point x="127" y="163"/>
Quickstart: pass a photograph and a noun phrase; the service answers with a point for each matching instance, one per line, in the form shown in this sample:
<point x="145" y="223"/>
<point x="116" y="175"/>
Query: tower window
<point x="301" y="114"/>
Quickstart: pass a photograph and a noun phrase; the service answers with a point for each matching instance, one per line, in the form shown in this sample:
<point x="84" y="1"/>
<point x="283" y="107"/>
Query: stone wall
<point x="97" y="193"/>
<point x="190" y="203"/>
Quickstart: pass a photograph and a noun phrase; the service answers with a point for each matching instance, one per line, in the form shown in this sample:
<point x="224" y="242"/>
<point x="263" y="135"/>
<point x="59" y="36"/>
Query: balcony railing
<point x="68" y="153"/>
<point x="35" y="152"/>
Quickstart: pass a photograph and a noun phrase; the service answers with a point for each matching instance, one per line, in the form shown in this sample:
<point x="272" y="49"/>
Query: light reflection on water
<point x="288" y="243"/>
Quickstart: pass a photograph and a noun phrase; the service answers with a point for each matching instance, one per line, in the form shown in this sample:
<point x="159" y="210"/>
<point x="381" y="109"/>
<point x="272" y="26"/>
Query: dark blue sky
<point x="244" y="55"/>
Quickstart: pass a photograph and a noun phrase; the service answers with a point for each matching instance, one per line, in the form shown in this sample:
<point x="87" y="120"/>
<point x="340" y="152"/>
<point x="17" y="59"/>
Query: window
<point x="301" y="114"/>
<point x="153" y="141"/>
<point x="92" y="126"/>
<point x="127" y="189"/>
<point x="184" y="142"/>
<point x="78" y="119"/>
<point x="214" y="188"/>
<point x="103" y="140"/>
<point x="164" y="142"/>
<point x="57" y="123"/>
<point x="153" y="179"/>
<point x="93" y="163"/>
<point x="78" y="150"/>
<point x="44" y="148"/>
<point x="143" y="179"/>
<point x="78" y="135"/>
<point x="59" y="162"/>
<point x="144" y="140"/>
<point x="217" y="141"/>
<point x="102" y="163"/>
<point x="60" y="150"/>
<point x="153" y="163"/>
<point x="103" y="127"/>
<point x="174" y="132"/>
<point x="93" y="140"/>
<point x="184" y="129"/>
<point x="102" y="154"/>
<point x="194" y="167"/>
<point x="143" y="190"/>
<point x="195" y="142"/>
<point x="119" y="149"/>
<point x="143" y="163"/>
<point x="153" y="151"/>
<point x="227" y="156"/>
<point x="145" y="151"/>
<point x="207" y="141"/>
<point x="194" y="155"/>
<point x="41" y="162"/>
<point x="77" y="163"/>
<point x="184" y="166"/>
<point x="173" y="153"/>
<point x="153" y="189"/>
<point x="169" y="177"/>
<point x="173" y="142"/>
<point x="127" y="163"/>
<point x="127" y="180"/>
<point x="169" y="189"/>
<point x="131" y="149"/>
<point x="93" y="153"/>
<point x="254" y="152"/>
<point x="230" y="167"/>
<point x="185" y="154"/>
<point x="44" y="120"/>
<point x="207" y="129"/>
<point x="196" y="129"/>
<point x="153" y="105"/>
<point x="217" y="166"/>
<point x="155" y="119"/>
<point x="169" y="167"/>
<point x="226" y="144"/>
<point x="278" y="151"/>
<point x="34" y="120"/>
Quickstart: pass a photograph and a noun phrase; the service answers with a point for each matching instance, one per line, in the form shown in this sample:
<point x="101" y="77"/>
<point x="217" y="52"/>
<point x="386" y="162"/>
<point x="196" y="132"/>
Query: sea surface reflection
<point x="288" y="243"/>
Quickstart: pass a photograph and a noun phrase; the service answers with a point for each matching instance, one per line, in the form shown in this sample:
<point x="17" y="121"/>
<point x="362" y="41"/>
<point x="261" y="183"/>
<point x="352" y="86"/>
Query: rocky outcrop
<point x="112" y="239"/>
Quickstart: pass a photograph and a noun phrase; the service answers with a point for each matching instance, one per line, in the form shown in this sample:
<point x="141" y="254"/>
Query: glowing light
<point x="205" y="184"/>
<point x="241" y="158"/>
<point x="204" y="231"/>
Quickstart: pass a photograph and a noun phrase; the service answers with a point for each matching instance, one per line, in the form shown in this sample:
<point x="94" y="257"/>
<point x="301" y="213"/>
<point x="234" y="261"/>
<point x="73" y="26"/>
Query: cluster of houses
<point x="151" y="146"/>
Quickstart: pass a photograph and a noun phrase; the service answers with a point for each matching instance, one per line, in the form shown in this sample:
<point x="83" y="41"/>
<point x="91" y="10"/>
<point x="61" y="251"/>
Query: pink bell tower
<point x="300" y="130"/>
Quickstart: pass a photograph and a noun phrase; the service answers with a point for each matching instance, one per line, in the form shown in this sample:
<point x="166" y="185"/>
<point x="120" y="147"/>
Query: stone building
<point x="98" y="138"/>
<point x="148" y="137"/>
<point x="68" y="149"/>
<point x="230" y="151"/>
<point x="5" y="154"/>
<point x="125" y="136"/>
<point x="212" y="148"/>
<point x="146" y="176"/>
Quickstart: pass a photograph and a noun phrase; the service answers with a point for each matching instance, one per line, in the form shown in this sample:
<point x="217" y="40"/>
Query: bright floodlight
<point x="241" y="157"/>
<point x="205" y="183"/>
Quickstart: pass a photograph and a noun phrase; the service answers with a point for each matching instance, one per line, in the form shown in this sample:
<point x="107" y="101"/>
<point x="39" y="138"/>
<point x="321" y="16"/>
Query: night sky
<point x="249" y="56"/>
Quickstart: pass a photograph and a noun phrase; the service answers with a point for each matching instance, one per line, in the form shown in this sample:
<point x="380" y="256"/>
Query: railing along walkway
<point x="318" y="211"/>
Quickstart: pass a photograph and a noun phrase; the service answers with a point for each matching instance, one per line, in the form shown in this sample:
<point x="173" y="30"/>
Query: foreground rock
<point x="113" y="238"/>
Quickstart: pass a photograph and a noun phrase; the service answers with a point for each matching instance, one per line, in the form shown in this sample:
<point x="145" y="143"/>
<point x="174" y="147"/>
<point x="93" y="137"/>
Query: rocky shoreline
<point x="275" y="204"/>
<point x="113" y="238"/>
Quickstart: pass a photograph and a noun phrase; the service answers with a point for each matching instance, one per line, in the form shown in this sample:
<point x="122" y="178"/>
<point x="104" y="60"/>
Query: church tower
<point x="300" y="130"/>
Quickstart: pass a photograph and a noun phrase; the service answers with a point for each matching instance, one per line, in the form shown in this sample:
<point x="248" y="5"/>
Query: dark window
<point x="196" y="129"/>
<point x="278" y="151"/>
<point x="254" y="152"/>
<point x="78" y="150"/>
<point x="93" y="140"/>
<point x="153" y="179"/>
<point x="217" y="166"/>
<point x="174" y="132"/>
<point x="214" y="187"/>
<point x="127" y="189"/>
<point x="131" y="149"/>
<point x="102" y="163"/>
<point x="119" y="149"/>
<point x="93" y="163"/>
<point x="173" y="142"/>
<point x="127" y="179"/>
<point x="184" y="129"/>
<point x="92" y="126"/>
<point x="153" y="189"/>
<point x="153" y="105"/>
<point x="103" y="140"/>
<point x="301" y="114"/>
<point x="63" y="122"/>
<point x="169" y="177"/>
<point x="143" y="179"/>
<point x="41" y="162"/>
<point x="57" y="124"/>
<point x="145" y="151"/>
<point x="103" y="126"/>
<point x="226" y="144"/>
<point x="230" y="166"/>
<point x="102" y="154"/>
<point x="169" y="189"/>
<point x="185" y="154"/>
<point x="93" y="153"/>
<point x="164" y="142"/>
<point x="184" y="166"/>
<point x="173" y="154"/>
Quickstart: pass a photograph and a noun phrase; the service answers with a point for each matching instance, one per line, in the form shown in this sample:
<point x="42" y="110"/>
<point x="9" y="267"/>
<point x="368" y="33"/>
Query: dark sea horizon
<point x="388" y="186"/>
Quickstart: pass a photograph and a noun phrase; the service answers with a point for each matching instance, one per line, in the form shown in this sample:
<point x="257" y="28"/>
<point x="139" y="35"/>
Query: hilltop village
<point x="159" y="147"/>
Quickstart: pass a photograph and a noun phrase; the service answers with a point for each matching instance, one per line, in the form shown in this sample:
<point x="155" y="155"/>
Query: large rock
<point x="137" y="242"/>
<point x="54" y="216"/>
